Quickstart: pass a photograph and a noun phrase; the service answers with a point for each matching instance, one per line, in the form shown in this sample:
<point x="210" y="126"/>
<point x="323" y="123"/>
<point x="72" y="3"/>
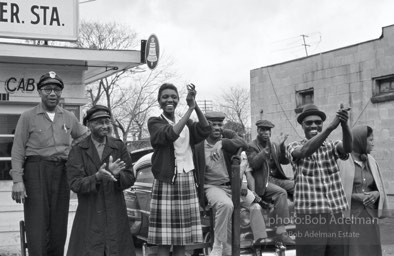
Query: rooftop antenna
<point x="305" y="45"/>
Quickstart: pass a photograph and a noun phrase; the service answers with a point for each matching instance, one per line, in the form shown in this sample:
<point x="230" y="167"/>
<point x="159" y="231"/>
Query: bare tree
<point x="138" y="100"/>
<point x="129" y="94"/>
<point x="236" y="105"/>
<point x="112" y="35"/>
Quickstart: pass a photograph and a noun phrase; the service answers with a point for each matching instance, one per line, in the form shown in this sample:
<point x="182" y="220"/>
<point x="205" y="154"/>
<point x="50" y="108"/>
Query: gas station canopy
<point x="96" y="63"/>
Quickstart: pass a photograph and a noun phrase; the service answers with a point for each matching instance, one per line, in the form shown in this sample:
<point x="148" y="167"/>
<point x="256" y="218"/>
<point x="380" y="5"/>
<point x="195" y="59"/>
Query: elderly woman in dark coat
<point x="98" y="170"/>
<point x="363" y="185"/>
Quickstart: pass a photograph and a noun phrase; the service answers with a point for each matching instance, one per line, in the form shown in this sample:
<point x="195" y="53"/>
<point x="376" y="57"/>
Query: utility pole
<point x="305" y="45"/>
<point x="205" y="105"/>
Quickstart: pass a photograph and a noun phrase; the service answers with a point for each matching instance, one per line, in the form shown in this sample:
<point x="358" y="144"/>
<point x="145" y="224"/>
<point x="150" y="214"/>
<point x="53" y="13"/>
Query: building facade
<point x="21" y="66"/>
<point x="360" y="76"/>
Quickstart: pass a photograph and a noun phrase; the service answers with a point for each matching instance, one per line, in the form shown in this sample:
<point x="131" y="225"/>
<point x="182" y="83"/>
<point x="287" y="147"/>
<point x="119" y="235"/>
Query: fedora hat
<point x="310" y="110"/>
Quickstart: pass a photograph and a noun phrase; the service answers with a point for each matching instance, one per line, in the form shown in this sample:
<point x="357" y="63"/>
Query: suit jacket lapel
<point x="110" y="146"/>
<point x="106" y="153"/>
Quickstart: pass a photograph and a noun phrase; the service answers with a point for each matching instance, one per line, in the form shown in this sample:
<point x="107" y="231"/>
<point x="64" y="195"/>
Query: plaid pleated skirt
<point x="174" y="212"/>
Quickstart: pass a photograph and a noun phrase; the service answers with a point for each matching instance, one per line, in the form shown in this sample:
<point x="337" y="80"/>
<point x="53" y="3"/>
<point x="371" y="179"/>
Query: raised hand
<point x="282" y="138"/>
<point x="115" y="167"/>
<point x="343" y="114"/>
<point x="191" y="95"/>
<point x="103" y="174"/>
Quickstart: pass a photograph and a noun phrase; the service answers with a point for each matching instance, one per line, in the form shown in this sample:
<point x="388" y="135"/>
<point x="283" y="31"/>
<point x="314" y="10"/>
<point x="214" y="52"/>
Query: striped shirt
<point x="318" y="186"/>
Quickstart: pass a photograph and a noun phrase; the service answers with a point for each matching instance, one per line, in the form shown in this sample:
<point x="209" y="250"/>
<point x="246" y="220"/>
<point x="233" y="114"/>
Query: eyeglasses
<point x="48" y="91"/>
<point x="310" y="122"/>
<point x="102" y="122"/>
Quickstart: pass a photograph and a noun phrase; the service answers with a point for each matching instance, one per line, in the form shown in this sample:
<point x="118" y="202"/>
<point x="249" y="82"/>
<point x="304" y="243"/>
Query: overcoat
<point x="347" y="176"/>
<point x="101" y="222"/>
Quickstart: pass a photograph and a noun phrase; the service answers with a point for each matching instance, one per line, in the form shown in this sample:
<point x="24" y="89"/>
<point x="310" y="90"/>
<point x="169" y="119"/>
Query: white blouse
<point x="183" y="151"/>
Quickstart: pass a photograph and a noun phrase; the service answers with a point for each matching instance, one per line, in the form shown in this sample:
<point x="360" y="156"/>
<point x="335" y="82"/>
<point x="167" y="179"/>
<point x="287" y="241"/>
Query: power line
<point x="283" y="111"/>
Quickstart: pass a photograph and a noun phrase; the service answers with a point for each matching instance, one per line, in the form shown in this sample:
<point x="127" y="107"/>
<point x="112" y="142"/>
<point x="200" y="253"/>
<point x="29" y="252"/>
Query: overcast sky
<point x="215" y="43"/>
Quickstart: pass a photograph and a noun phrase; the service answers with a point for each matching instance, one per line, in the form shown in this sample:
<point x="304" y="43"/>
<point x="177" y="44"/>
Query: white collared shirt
<point x="183" y="151"/>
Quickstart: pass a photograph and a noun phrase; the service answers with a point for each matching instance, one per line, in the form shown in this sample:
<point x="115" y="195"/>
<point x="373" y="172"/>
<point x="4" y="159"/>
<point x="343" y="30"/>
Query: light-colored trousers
<point x="219" y="197"/>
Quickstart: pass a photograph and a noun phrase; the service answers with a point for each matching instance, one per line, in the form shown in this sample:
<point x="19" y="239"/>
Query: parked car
<point x="138" y="203"/>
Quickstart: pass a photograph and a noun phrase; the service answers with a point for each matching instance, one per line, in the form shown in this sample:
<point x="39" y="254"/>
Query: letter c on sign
<point x="7" y="85"/>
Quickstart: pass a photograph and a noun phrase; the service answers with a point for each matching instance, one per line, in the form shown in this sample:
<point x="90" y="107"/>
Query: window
<point x="303" y="97"/>
<point x="383" y="89"/>
<point x="4" y="97"/>
<point x="7" y="129"/>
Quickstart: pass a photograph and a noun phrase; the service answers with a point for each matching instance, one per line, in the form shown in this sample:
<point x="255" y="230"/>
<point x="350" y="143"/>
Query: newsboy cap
<point x="97" y="111"/>
<point x="310" y="110"/>
<point x="215" y="116"/>
<point x="50" y="78"/>
<point x="264" y="123"/>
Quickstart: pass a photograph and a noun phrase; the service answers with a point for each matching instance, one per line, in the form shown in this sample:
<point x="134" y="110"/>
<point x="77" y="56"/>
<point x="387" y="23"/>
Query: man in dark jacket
<point x="98" y="170"/>
<point x="274" y="154"/>
<point x="265" y="158"/>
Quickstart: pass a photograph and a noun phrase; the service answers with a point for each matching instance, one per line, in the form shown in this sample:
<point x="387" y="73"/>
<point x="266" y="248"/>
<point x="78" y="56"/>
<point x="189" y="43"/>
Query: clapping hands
<point x="191" y="95"/>
<point x="113" y="170"/>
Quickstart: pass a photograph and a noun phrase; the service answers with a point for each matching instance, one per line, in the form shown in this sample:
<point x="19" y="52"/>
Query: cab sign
<point x="152" y="52"/>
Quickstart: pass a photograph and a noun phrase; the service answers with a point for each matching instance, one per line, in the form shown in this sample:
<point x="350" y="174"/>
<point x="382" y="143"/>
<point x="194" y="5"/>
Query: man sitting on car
<point x="265" y="159"/>
<point x="214" y="161"/>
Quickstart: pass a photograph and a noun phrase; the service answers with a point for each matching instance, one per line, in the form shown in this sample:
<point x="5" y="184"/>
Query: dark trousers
<point x="320" y="235"/>
<point x="46" y="207"/>
<point x="279" y="197"/>
<point x="287" y="185"/>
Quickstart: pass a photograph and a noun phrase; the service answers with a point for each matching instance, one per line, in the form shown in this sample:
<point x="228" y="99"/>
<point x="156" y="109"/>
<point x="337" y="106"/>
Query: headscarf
<point x="360" y="134"/>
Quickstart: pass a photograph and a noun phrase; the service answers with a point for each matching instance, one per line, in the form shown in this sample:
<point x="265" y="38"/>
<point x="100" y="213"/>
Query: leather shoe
<point x="285" y="239"/>
<point x="260" y="242"/>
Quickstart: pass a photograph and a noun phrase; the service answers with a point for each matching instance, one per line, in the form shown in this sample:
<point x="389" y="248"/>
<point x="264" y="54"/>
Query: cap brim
<point x="301" y="117"/>
<point x="99" y="116"/>
<point x="215" y="119"/>
<point x="50" y="81"/>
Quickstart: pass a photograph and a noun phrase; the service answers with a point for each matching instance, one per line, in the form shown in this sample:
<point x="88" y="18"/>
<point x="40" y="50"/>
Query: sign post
<point x="152" y="52"/>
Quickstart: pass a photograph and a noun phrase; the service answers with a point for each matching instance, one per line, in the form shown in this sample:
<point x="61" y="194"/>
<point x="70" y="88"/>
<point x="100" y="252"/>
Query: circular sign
<point x="152" y="51"/>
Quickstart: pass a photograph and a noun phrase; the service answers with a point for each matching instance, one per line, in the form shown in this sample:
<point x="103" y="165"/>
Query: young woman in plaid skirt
<point x="174" y="208"/>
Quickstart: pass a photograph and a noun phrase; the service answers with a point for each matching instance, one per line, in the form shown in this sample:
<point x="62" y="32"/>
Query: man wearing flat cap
<point x="41" y="145"/>
<point x="319" y="194"/>
<point x="275" y="155"/>
<point x="267" y="178"/>
<point x="214" y="162"/>
<point x="98" y="170"/>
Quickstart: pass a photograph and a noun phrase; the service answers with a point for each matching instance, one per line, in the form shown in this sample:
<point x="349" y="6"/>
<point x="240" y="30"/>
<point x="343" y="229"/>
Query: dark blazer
<point x="101" y="217"/>
<point x="259" y="163"/>
<point x="231" y="142"/>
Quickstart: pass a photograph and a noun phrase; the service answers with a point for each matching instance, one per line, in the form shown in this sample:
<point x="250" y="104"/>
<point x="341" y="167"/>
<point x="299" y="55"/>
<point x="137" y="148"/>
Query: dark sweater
<point x="162" y="137"/>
